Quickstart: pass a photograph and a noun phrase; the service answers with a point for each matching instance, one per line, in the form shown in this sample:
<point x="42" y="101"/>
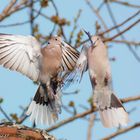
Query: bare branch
<point x="5" y="114"/>
<point x="118" y="30"/>
<point x="122" y="131"/>
<point x="91" y="123"/>
<point x="14" y="9"/>
<point x="123" y="31"/>
<point x="97" y="13"/>
<point x="130" y="99"/>
<point x="9" y="7"/>
<point x="55" y="7"/>
<point x="21" y="23"/>
<point x="112" y="28"/>
<point x="127" y="42"/>
<point x="81" y="115"/>
<point x="125" y="3"/>
<point x="75" y="25"/>
<point x="121" y="24"/>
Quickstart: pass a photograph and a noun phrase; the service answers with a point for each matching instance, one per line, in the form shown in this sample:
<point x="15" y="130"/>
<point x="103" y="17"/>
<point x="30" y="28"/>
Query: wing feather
<point x="81" y="64"/>
<point x="15" y="61"/>
<point x="9" y="59"/>
<point x="20" y="53"/>
<point x="69" y="57"/>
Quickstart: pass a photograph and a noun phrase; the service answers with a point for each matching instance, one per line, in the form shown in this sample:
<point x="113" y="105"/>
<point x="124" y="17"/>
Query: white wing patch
<point x="20" y="53"/>
<point x="81" y="65"/>
<point x="69" y="57"/>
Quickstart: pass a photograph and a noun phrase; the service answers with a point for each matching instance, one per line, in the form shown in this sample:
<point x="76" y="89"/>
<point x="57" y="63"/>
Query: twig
<point x="127" y="42"/>
<point x="97" y="14"/>
<point x="100" y="6"/>
<point x="9" y="7"/>
<point x="118" y="30"/>
<point x="125" y="3"/>
<point x="121" y="131"/>
<point x="120" y="33"/>
<point x="121" y="24"/>
<point x="23" y="116"/>
<point x="80" y="115"/>
<point x="123" y="31"/>
<point x="91" y="123"/>
<point x="21" y="23"/>
<point x="72" y="92"/>
<point x="5" y="114"/>
<point x="53" y="29"/>
<point x="16" y="8"/>
<point x="130" y="99"/>
<point x="55" y="7"/>
<point x="75" y="25"/>
<point x="32" y="17"/>
<point x="63" y="33"/>
<point x="42" y="14"/>
<point x="112" y="28"/>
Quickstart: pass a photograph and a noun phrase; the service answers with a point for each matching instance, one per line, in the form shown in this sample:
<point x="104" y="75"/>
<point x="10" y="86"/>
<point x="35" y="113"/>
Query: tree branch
<point x="97" y="14"/>
<point x="122" y="32"/>
<point x="91" y="123"/>
<point x="121" y="131"/>
<point x="125" y="3"/>
<point x="5" y="114"/>
<point x="121" y="24"/>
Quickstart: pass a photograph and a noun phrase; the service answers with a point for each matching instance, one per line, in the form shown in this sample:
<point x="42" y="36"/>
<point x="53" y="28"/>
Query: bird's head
<point x="94" y="40"/>
<point x="54" y="41"/>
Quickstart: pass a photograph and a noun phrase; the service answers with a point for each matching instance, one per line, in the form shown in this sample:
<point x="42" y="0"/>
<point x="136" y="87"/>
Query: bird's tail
<point x="44" y="109"/>
<point x="112" y="112"/>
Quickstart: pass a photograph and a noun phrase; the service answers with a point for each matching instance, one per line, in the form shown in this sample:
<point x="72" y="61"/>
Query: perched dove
<point x="111" y="110"/>
<point x="47" y="66"/>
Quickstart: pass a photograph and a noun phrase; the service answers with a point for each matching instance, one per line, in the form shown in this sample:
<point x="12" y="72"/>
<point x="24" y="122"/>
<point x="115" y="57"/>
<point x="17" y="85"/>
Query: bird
<point x="47" y="65"/>
<point x="95" y="57"/>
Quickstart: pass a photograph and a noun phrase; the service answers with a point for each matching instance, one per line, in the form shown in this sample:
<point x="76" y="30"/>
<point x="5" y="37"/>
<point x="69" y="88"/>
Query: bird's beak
<point x="89" y="36"/>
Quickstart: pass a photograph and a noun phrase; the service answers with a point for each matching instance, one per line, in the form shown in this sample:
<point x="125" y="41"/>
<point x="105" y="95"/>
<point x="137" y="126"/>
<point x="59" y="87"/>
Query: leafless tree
<point x="114" y="34"/>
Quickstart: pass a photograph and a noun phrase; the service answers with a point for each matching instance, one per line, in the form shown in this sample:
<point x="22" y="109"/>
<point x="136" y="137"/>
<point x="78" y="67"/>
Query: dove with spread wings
<point x="49" y="66"/>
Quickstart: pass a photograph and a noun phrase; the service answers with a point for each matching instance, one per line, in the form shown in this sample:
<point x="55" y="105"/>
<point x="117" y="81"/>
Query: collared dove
<point x="95" y="56"/>
<point x="47" y="66"/>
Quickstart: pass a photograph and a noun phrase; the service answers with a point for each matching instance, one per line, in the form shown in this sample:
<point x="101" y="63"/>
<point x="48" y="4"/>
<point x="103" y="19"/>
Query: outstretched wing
<point x="82" y="64"/>
<point x="20" y="53"/>
<point x="69" y="58"/>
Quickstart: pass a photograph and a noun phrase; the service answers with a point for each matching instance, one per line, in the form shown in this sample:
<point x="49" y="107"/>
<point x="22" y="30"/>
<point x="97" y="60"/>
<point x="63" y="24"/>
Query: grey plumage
<point x="46" y="66"/>
<point x="111" y="110"/>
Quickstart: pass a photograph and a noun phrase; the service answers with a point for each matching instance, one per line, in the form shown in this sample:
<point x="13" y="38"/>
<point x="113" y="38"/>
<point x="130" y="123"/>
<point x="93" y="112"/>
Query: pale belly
<point x="49" y="69"/>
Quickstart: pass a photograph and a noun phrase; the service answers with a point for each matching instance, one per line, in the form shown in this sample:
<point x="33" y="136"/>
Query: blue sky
<point x="17" y="89"/>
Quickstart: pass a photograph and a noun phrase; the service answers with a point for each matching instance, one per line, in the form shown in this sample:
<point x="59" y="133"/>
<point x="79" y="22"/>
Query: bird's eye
<point x="56" y="39"/>
<point x="48" y="43"/>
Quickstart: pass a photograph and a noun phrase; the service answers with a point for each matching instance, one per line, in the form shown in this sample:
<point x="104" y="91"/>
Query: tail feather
<point x="111" y="110"/>
<point x="114" y="117"/>
<point x="44" y="110"/>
